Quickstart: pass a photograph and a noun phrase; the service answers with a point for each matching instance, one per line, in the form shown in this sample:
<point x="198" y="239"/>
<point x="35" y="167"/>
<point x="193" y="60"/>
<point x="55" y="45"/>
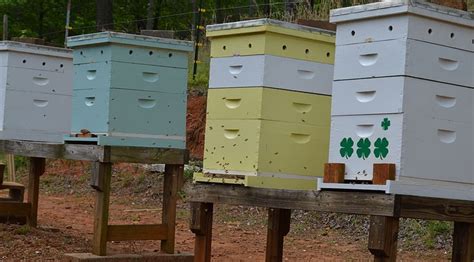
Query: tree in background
<point x="104" y="15"/>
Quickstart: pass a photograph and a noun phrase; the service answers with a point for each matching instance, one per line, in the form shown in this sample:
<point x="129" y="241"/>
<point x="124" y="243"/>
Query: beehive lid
<point x="129" y="39"/>
<point x="397" y="7"/>
<point x="35" y="49"/>
<point x="266" y="25"/>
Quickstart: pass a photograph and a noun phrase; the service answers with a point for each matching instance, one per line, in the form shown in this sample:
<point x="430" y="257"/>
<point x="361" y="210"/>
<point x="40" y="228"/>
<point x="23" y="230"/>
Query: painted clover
<point x="385" y="124"/>
<point x="346" y="147"/>
<point x="381" y="148"/>
<point x="363" y="150"/>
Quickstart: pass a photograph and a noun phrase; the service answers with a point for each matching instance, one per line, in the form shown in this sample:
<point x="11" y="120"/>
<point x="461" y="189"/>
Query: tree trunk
<point x="252" y="6"/>
<point x="219" y="12"/>
<point x="266" y="8"/>
<point x="41" y="19"/>
<point x="290" y="7"/>
<point x="104" y="17"/>
<point x="150" y="20"/>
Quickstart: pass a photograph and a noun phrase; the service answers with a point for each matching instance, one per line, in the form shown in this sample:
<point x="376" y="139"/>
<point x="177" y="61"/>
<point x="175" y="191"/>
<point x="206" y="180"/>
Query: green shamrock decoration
<point x="381" y="148"/>
<point x="346" y="147"/>
<point x="385" y="124"/>
<point x="363" y="150"/>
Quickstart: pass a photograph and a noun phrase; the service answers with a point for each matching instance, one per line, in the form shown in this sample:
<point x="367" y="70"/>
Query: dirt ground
<point x="65" y="226"/>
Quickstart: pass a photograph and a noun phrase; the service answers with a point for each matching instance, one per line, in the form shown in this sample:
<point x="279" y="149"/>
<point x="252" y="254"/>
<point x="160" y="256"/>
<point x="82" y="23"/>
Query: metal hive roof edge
<point x="266" y="21"/>
<point x="132" y="39"/>
<point x="417" y="7"/>
<point x="35" y="49"/>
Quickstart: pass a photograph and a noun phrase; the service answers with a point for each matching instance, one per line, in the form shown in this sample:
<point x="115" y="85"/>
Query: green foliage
<point x="23" y="230"/>
<point x="21" y="162"/>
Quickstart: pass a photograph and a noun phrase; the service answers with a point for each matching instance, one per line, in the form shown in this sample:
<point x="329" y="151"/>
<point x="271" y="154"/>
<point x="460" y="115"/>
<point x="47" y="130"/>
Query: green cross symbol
<point x="385" y="123"/>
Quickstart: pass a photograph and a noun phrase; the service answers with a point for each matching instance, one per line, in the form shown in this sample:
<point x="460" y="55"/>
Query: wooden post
<point x="11" y="167"/>
<point x="382" y="173"/>
<point x="37" y="166"/>
<point x="2" y="173"/>
<point x="170" y="197"/>
<point x="103" y="172"/>
<point x="278" y="228"/>
<point x="334" y="173"/>
<point x="463" y="242"/>
<point x="201" y="225"/>
<point x="383" y="234"/>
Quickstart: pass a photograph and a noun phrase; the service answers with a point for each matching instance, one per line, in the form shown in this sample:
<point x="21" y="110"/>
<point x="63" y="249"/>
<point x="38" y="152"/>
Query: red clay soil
<point x="196" y="125"/>
<point x="66" y="222"/>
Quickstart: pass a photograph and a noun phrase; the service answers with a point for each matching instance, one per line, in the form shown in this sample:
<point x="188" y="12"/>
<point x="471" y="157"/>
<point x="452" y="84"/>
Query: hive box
<point x="35" y="92"/>
<point x="269" y="104"/>
<point x="271" y="37"/>
<point x="271" y="71"/>
<point x="422" y="124"/>
<point x="129" y="90"/>
<point x="269" y="137"/>
<point x="420" y="121"/>
<point x="430" y="42"/>
<point x="414" y="58"/>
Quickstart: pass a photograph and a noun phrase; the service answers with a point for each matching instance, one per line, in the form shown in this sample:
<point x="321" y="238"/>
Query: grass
<point x="23" y="230"/>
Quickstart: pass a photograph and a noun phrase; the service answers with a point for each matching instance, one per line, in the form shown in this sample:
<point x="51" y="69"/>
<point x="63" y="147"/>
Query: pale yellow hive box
<point x="265" y="149"/>
<point x="271" y="37"/>
<point x="269" y="104"/>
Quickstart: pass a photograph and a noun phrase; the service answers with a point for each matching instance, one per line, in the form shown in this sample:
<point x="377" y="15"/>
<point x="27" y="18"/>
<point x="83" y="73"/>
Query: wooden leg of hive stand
<point x="383" y="235"/>
<point x="201" y="225"/>
<point x="103" y="173"/>
<point x="173" y="174"/>
<point x="463" y="242"/>
<point x="278" y="228"/>
<point x="37" y="166"/>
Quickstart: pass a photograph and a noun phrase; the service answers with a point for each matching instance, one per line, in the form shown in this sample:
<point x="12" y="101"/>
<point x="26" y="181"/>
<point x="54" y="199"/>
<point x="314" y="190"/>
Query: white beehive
<point x="35" y="92"/>
<point x="403" y="94"/>
<point x="271" y="71"/>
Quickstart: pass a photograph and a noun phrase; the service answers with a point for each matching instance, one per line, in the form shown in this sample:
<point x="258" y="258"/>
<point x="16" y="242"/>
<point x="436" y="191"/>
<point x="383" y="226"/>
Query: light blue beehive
<point x="129" y="90"/>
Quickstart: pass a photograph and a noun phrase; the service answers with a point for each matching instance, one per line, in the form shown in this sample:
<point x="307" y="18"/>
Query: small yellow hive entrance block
<point x="272" y="37"/>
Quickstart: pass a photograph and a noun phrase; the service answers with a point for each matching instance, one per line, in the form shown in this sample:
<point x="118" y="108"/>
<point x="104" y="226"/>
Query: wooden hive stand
<point x="384" y="210"/>
<point x="103" y="158"/>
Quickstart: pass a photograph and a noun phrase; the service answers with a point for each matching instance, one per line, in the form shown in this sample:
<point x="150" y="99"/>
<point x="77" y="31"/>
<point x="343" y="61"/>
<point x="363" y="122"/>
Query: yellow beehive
<point x="265" y="148"/>
<point x="271" y="37"/>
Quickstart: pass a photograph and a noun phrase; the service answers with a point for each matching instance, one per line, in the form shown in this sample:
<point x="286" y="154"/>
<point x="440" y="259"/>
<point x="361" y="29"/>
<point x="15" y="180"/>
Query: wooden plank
<point x="136" y="232"/>
<point x="37" y="167"/>
<point x="147" y="155"/>
<point x="278" y="228"/>
<point x="318" y="24"/>
<point x="89" y="152"/>
<point x="15" y="209"/>
<point x="383" y="235"/>
<point x="152" y="257"/>
<point x="101" y="215"/>
<point x="201" y="225"/>
<point x="170" y="197"/>
<point x="363" y="203"/>
<point x="16" y="191"/>
<point x="382" y="173"/>
<point x="334" y="173"/>
<point x="435" y="208"/>
<point x="463" y="242"/>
